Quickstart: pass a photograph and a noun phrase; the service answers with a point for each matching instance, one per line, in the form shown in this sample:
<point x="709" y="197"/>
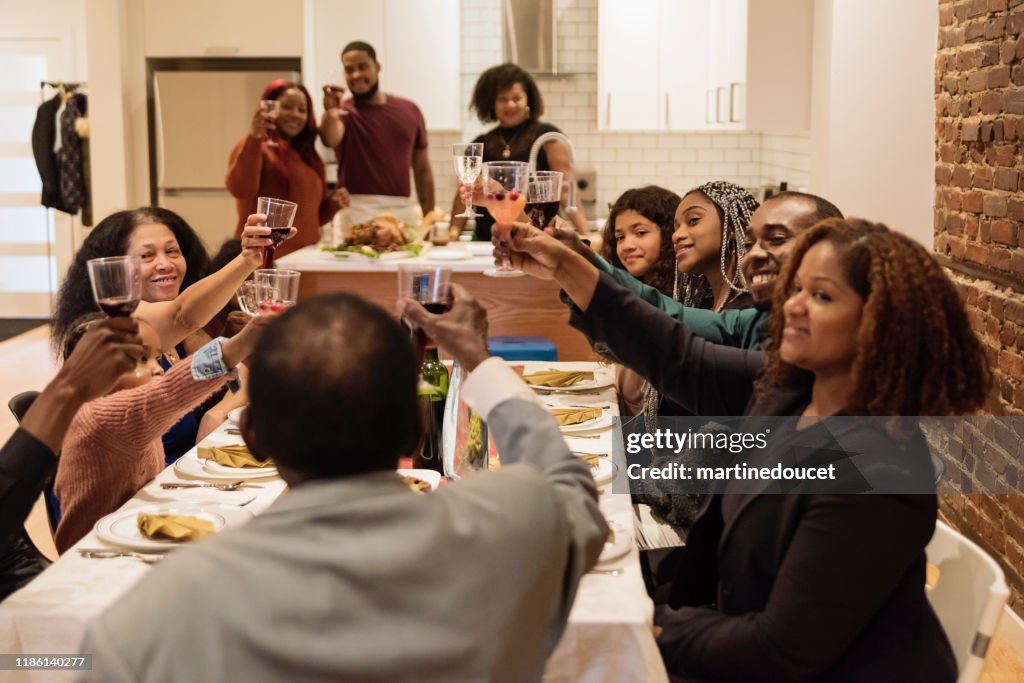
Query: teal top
<point x="741" y="328"/>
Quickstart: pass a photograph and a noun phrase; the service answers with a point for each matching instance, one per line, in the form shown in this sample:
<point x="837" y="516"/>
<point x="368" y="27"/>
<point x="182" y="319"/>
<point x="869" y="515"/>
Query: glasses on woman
<point x="116" y="284"/>
<point x="269" y="107"/>
<point x="467" y="158"/>
<point x="504" y="185"/>
<point x="543" y="197"/>
<point x="280" y="213"/>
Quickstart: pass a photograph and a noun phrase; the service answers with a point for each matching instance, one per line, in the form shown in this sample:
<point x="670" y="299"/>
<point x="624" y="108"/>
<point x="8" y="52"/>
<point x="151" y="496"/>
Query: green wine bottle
<point x="433" y="392"/>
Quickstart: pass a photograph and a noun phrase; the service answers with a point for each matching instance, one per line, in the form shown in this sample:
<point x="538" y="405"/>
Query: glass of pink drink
<point x="504" y="186"/>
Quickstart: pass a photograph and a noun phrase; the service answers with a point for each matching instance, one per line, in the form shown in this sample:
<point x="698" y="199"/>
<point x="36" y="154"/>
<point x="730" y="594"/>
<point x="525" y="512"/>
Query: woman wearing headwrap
<point x="277" y="159"/>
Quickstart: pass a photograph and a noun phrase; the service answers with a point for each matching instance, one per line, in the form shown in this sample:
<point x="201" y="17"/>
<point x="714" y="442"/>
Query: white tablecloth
<point x="608" y="637"/>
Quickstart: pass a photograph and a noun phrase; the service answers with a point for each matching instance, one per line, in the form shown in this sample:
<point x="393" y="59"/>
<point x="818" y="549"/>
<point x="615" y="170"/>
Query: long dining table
<point x="608" y="637"/>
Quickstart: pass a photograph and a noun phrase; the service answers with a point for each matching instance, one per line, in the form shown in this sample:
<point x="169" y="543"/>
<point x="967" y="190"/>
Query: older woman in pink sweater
<point x="113" y="446"/>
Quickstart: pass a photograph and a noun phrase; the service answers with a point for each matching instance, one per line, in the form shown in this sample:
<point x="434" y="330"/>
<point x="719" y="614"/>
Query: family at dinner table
<point x="703" y="300"/>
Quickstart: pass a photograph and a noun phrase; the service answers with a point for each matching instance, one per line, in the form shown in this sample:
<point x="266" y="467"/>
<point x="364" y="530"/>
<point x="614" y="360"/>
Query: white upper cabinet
<point x="417" y="43"/>
<point x="228" y="28"/>
<point x="628" y="65"/>
<point x="670" y="65"/>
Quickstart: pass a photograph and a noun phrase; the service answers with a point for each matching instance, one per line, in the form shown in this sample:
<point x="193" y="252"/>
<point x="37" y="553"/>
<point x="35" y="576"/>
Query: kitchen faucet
<point x="532" y="164"/>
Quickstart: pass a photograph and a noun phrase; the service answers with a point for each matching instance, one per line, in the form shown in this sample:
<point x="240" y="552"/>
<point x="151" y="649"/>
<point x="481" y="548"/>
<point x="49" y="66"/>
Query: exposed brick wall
<point x="979" y="228"/>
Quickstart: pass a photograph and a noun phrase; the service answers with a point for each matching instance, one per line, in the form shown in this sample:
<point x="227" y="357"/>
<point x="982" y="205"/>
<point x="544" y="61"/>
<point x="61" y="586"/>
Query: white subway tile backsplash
<point x="621" y="160"/>
<point x="710" y="155"/>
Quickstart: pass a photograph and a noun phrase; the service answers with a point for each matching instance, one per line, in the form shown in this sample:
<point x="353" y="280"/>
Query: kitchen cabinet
<point x="674" y="65"/>
<point x="418" y="47"/>
<point x="227" y="28"/>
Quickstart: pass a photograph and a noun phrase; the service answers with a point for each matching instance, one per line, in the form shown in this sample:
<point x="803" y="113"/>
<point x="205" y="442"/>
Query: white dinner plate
<point x="189" y="465"/>
<point x="430" y="476"/>
<point x="600" y="423"/>
<point x="442" y="254"/>
<point x="600" y="381"/>
<point x="235" y="415"/>
<point x="478" y="248"/>
<point x="121" y="528"/>
<point x="622" y="544"/>
<point x="396" y="255"/>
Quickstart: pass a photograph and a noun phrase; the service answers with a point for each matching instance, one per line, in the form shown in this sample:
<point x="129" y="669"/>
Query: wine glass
<point x="116" y="284"/>
<point x="280" y="214"/>
<point x="269" y="107"/>
<point x="543" y="197"/>
<point x="246" y="296"/>
<point x="504" y="184"/>
<point x="430" y="286"/>
<point x="117" y="287"/>
<point x="276" y="290"/>
<point x="467" y="157"/>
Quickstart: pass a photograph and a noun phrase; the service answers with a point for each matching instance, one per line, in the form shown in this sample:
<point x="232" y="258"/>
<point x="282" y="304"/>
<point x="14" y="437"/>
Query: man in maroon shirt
<point x="376" y="137"/>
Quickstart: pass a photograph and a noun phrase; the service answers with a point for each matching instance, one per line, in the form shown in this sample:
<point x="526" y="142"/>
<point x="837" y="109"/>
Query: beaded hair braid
<point x="737" y="205"/>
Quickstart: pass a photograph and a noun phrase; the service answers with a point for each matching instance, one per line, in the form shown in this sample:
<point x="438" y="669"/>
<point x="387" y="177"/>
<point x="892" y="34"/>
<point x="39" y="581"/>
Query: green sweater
<point x="741" y="328"/>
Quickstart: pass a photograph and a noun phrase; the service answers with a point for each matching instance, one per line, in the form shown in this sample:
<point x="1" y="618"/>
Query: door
<point x="36" y="243"/>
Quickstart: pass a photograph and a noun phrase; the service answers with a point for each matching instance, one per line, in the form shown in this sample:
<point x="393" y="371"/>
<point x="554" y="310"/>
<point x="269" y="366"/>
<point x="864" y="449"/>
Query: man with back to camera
<point x="377" y="137"/>
<point x="350" y="576"/>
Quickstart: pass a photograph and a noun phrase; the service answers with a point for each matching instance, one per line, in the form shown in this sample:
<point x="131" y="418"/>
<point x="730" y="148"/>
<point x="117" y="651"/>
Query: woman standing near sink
<point x="508" y="95"/>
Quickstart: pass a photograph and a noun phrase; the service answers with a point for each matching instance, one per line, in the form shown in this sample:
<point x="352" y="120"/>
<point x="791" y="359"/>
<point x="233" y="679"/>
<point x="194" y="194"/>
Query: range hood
<point x="529" y="36"/>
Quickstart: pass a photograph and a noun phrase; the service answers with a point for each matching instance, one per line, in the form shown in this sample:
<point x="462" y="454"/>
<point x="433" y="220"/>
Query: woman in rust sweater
<point x="277" y="159"/>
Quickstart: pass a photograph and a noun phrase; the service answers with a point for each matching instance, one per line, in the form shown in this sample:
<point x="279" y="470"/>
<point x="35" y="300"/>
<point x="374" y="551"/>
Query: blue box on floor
<point x="523" y="348"/>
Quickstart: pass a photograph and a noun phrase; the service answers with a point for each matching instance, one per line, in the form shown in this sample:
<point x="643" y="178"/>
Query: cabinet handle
<point x="608" y="110"/>
<point x="718" y="104"/>
<point x="709" y="106"/>
<point x="732" y="102"/>
<point x="666" y="112"/>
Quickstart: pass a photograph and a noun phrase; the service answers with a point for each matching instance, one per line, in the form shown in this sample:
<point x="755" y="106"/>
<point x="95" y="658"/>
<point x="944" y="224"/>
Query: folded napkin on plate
<point x="558" y="378"/>
<point x="574" y="416"/>
<point x="235" y="455"/>
<point x="174" y="527"/>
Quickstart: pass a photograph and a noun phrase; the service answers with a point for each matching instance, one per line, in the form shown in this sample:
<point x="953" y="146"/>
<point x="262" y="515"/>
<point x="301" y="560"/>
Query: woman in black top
<point x="826" y="585"/>
<point x="508" y="95"/>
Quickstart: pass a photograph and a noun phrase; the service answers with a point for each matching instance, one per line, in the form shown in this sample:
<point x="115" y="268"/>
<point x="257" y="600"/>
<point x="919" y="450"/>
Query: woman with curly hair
<point x="508" y="94"/>
<point x="827" y="584"/>
<point x="177" y="297"/>
<point x="286" y="166"/>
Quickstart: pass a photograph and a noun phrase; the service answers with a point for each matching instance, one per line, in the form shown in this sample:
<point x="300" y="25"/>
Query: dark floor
<point x="12" y="327"/>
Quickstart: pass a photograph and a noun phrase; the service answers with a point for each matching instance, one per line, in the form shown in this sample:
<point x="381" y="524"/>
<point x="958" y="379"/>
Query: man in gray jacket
<point x="351" y="576"/>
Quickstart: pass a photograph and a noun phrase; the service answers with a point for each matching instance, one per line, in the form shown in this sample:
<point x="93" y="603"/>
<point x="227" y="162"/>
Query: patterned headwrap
<point x="736" y="205"/>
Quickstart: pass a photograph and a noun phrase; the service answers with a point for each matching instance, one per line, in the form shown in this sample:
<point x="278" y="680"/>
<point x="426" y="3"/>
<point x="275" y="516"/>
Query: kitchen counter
<point x="521" y="306"/>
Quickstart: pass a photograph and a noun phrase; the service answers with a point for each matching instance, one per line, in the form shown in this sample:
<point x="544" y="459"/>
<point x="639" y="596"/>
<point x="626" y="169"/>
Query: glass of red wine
<point x="543" y="197"/>
<point x="116" y="284"/>
<point x="276" y="290"/>
<point x="430" y="286"/>
<point x="280" y="213"/>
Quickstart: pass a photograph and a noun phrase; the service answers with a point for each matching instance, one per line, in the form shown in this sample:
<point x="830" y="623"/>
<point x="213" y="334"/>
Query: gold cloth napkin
<point x="235" y="455"/>
<point x="558" y="378"/>
<point x="174" y="527"/>
<point x="574" y="416"/>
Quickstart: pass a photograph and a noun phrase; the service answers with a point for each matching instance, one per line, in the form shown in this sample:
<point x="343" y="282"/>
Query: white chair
<point x="968" y="597"/>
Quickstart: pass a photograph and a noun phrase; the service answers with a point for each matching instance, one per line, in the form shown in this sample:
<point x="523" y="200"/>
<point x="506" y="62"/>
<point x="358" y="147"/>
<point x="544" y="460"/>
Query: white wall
<point x="873" y="110"/>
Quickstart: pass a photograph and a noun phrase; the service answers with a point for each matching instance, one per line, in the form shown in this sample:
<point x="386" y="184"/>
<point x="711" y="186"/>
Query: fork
<point x="98" y="554"/>
<point x="233" y="486"/>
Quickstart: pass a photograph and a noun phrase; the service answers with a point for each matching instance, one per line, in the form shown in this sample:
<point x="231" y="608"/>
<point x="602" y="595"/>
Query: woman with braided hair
<point x="817" y="583"/>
